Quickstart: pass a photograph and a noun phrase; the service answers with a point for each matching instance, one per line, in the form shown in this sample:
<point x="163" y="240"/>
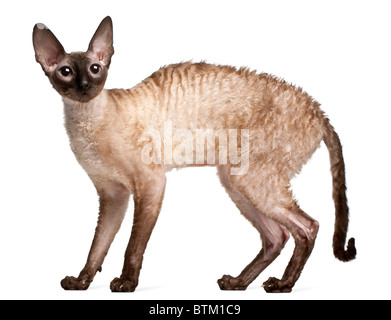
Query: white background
<point x="338" y="51"/>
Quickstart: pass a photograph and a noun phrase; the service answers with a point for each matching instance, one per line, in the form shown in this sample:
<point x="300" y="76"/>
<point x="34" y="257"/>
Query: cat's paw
<point x="122" y="285"/>
<point x="274" y="285"/>
<point x="231" y="283"/>
<point x="72" y="283"/>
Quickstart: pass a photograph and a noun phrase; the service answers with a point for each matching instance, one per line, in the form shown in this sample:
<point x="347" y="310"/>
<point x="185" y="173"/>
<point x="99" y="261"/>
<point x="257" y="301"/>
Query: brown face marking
<point x="78" y="77"/>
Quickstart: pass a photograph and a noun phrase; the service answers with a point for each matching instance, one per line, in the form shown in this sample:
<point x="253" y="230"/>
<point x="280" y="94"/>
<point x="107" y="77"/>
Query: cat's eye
<point x="66" y="71"/>
<point x="95" y="68"/>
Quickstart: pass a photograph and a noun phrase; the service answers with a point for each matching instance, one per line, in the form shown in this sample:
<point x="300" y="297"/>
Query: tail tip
<point x="348" y="254"/>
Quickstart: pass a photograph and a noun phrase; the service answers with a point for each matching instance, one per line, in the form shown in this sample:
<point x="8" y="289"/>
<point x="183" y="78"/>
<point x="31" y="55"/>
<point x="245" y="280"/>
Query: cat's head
<point x="78" y="76"/>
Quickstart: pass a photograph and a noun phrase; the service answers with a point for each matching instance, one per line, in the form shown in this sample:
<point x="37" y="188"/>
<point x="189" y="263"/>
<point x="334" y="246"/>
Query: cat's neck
<point x="92" y="110"/>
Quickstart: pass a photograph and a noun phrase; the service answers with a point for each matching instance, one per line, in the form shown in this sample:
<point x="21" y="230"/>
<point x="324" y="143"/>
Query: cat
<point x="256" y="129"/>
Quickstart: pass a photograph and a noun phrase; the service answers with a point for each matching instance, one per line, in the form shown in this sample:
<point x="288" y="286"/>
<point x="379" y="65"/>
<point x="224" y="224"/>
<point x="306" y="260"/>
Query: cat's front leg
<point x="113" y="198"/>
<point x="148" y="197"/>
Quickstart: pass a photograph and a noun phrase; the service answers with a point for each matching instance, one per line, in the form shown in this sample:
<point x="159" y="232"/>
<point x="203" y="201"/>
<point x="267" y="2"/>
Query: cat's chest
<point x="85" y="128"/>
<point x="85" y="144"/>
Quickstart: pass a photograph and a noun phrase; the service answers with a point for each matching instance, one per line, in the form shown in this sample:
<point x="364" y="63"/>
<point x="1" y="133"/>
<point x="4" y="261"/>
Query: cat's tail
<point x="339" y="195"/>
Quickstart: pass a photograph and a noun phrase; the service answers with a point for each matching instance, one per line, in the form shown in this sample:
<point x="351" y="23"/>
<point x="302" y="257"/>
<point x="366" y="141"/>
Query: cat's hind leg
<point x="304" y="230"/>
<point x="273" y="237"/>
<point x="268" y="192"/>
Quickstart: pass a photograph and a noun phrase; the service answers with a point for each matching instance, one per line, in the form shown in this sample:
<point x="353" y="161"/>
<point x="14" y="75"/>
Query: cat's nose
<point x="84" y="85"/>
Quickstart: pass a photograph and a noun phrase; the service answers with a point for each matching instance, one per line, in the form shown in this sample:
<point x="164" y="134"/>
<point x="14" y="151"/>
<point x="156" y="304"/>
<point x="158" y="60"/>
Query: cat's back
<point x="203" y="80"/>
<point x="208" y="95"/>
<point x="205" y="94"/>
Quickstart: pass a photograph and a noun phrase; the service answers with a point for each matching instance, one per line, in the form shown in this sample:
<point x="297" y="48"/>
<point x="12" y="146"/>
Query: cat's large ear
<point x="48" y="50"/>
<point x="101" y="45"/>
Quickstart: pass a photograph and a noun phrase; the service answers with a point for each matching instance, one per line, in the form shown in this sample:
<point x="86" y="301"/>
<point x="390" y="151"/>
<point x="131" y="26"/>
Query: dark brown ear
<point x="101" y="45"/>
<point x="48" y="50"/>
